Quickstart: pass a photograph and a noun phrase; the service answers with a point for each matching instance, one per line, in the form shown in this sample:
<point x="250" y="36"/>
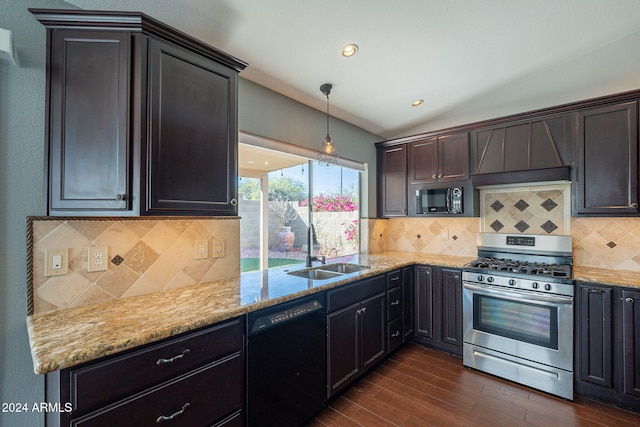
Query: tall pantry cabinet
<point x="141" y="118"/>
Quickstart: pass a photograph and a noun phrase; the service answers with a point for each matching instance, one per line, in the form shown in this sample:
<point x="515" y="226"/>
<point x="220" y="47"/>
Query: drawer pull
<point x="395" y="278"/>
<point x="396" y="302"/>
<point x="629" y="300"/>
<point x="163" y="418"/>
<point x="395" y="334"/>
<point x="174" y="358"/>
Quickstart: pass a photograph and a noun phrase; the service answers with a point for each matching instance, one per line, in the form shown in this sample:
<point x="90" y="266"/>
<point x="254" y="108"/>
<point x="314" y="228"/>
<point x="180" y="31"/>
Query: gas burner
<point x="521" y="267"/>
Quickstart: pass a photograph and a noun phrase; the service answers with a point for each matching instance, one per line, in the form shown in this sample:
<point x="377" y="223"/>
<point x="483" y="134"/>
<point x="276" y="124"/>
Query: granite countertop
<point x="65" y="338"/>
<point x="629" y="279"/>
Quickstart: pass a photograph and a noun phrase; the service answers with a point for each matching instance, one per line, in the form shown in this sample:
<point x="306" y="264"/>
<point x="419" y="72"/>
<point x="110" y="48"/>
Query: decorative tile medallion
<point x="496" y="226"/>
<point x="521" y="205"/>
<point x="549" y="205"/>
<point x="549" y="227"/>
<point x="612" y="245"/>
<point x="496" y="206"/>
<point x="521" y="226"/>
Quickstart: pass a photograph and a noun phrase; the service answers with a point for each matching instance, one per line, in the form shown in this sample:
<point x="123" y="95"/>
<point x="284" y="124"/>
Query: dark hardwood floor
<point x="417" y="386"/>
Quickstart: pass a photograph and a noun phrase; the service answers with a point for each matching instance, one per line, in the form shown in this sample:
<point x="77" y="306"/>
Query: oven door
<point x="528" y="325"/>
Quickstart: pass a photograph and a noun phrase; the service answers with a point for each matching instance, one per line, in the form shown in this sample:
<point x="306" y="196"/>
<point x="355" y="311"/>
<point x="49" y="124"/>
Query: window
<point x="280" y="194"/>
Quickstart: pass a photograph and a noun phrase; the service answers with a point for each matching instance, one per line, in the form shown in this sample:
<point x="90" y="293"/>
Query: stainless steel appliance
<point x="518" y="310"/>
<point x="439" y="200"/>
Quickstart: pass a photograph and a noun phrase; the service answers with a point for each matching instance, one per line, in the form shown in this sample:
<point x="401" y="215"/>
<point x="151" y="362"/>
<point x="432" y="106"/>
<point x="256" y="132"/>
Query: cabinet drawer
<point x="350" y="294"/>
<point x="394" y="334"/>
<point x="394" y="279"/>
<point x="394" y="303"/>
<point x="209" y="394"/>
<point x="102" y="383"/>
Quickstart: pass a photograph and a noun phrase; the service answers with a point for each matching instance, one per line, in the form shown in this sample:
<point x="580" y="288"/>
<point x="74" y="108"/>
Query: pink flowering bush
<point x="351" y="233"/>
<point x="329" y="203"/>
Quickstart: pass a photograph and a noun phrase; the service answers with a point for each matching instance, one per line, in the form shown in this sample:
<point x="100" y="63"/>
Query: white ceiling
<point x="454" y="54"/>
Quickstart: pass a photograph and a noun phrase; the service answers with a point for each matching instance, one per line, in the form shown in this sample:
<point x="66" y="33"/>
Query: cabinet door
<point x="449" y="313"/>
<point x="407" y="302"/>
<point x="88" y="122"/>
<point x="192" y="144"/>
<point x="392" y="181"/>
<point x="607" y="160"/>
<point x="453" y="157"/>
<point x="631" y="342"/>
<point x="423" y="302"/>
<point x="595" y="347"/>
<point x="423" y="161"/>
<point x="373" y="330"/>
<point x="343" y="347"/>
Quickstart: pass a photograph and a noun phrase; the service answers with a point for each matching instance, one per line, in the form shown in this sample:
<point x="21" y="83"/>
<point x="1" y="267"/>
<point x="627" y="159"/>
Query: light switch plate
<point x="98" y="258"/>
<point x="56" y="262"/>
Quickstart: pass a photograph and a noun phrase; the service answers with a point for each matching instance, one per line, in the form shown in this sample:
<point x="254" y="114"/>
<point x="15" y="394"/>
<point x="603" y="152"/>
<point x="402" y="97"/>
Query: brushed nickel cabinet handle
<point x="163" y="418"/>
<point x="174" y="358"/>
<point x="439" y="175"/>
<point x="121" y="197"/>
<point x="433" y="176"/>
<point x="233" y="202"/>
<point x="629" y="300"/>
<point x="396" y="302"/>
<point x="634" y="205"/>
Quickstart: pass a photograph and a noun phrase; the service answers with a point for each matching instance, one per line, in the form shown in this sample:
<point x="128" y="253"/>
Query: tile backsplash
<point x="144" y="255"/>
<point x="543" y="209"/>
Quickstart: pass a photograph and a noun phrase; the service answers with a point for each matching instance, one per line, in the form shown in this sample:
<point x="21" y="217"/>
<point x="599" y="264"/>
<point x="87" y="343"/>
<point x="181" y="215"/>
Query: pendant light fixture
<point x="328" y="151"/>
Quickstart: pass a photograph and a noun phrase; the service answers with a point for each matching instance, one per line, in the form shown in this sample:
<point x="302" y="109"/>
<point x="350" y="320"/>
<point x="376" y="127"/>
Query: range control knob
<point x="535" y="285"/>
<point x="480" y="277"/>
<point x="547" y="287"/>
<point x="512" y="282"/>
<point x="490" y="279"/>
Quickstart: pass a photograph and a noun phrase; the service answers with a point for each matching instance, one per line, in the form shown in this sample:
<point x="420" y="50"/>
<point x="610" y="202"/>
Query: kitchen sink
<point x="329" y="271"/>
<point x="344" y="267"/>
<point x="315" y="274"/>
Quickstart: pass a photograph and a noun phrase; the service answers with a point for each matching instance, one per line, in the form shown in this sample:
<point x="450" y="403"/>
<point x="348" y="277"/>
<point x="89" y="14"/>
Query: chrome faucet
<point x="312" y="240"/>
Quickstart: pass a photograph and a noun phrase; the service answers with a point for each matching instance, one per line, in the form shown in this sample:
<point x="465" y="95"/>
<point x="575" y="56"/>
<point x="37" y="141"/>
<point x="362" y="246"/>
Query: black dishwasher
<point x="287" y="362"/>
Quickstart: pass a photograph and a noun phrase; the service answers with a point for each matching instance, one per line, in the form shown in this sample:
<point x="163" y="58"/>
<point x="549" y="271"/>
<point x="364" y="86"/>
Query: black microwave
<point x="439" y="200"/>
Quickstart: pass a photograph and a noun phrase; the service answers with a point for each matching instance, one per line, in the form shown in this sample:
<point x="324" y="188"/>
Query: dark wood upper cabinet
<point x="607" y="161"/>
<point x="442" y="158"/>
<point x="192" y="133"/>
<point x="141" y="118"/>
<point x="88" y="120"/>
<point x="392" y="181"/>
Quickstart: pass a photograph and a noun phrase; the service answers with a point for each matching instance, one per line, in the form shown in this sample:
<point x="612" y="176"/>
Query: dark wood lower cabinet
<point x="438" y="308"/>
<point x="356" y="330"/>
<point x="356" y="341"/>
<point x="196" y="379"/>
<point x="630" y="312"/>
<point x="608" y="344"/>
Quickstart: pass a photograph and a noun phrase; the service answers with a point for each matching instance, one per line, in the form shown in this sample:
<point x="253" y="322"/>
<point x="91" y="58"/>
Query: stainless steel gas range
<point x="518" y="310"/>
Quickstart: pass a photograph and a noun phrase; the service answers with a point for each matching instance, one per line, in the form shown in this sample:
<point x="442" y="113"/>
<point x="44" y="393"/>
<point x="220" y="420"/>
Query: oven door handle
<point x="519" y="295"/>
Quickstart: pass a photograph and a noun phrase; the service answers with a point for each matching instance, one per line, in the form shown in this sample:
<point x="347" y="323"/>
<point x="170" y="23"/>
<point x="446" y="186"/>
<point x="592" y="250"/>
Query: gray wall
<point x="269" y="114"/>
<point x="21" y="194"/>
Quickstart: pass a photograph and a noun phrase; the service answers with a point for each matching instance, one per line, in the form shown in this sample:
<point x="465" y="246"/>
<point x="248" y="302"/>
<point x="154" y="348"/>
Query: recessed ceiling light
<point x="417" y="102"/>
<point x="349" y="50"/>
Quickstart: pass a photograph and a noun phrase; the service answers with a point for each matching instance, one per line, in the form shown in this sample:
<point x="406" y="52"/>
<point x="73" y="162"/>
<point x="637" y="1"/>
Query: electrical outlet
<point x="202" y="249"/>
<point x="218" y="248"/>
<point x="56" y="262"/>
<point x="98" y="258"/>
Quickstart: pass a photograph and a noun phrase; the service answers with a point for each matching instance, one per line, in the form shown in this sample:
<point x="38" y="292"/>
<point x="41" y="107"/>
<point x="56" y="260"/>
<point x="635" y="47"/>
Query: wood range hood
<point x="557" y="173"/>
